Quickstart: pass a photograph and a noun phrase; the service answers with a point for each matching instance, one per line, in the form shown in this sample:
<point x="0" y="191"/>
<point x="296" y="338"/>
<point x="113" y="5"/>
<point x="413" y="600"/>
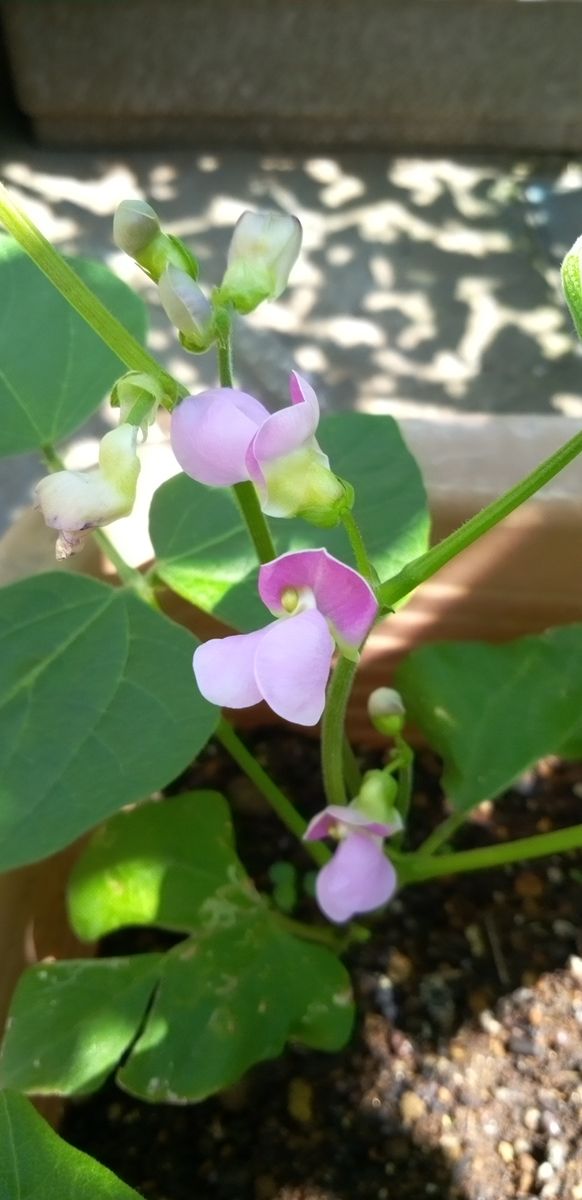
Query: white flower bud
<point x="187" y="308"/>
<point x="135" y="226"/>
<point x="74" y="502"/>
<point x="386" y="711"/>
<point x="137" y="231"/>
<point x="263" y="249"/>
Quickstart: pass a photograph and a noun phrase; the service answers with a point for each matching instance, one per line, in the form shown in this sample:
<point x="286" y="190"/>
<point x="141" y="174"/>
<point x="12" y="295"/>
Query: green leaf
<point x="54" y="370"/>
<point x="493" y="711"/>
<point x="203" y="548"/>
<point x="98" y="707"/>
<point x="159" y="865"/>
<point x="231" y="997"/>
<point x="233" y="994"/>
<point x="70" y="1022"/>
<point x="35" y="1164"/>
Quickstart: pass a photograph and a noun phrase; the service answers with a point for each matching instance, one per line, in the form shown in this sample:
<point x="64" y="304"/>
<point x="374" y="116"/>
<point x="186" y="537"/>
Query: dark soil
<point x="463" y="1080"/>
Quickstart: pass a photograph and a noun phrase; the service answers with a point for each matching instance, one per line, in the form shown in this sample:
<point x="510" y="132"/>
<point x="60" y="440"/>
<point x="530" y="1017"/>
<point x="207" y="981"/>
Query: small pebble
<point x="489" y="1023"/>
<point x="557" y="1153"/>
<point x="577" y="1191"/>
<point x="564" y="929"/>
<point x="505" y="1151"/>
<point x="528" y="885"/>
<point x="575" y="968"/>
<point x="545" y="1172"/>
<point x="412" y="1107"/>
<point x="523" y="1045"/>
<point x="300" y="1100"/>
<point x="551" y="1125"/>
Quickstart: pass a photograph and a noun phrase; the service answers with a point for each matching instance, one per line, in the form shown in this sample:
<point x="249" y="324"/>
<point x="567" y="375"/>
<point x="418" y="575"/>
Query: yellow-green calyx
<point x="302" y="485"/>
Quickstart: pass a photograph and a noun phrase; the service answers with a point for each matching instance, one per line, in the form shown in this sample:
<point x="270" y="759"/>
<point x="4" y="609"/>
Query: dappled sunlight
<point x="426" y="285"/>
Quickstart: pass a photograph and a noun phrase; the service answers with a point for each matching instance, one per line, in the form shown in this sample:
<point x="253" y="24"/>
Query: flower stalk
<point x="422" y="568"/>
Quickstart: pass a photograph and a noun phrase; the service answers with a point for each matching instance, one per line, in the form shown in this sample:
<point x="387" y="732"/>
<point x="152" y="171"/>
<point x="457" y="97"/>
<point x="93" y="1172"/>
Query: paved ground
<point x="427" y="285"/>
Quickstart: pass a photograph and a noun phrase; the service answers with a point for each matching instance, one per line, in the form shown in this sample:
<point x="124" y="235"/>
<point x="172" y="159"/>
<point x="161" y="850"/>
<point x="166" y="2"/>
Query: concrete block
<point x="390" y="73"/>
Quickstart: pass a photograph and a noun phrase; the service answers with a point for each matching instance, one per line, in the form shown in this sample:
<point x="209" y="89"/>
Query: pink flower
<point x="224" y="436"/>
<point x="319" y="601"/>
<point x="359" y="877"/>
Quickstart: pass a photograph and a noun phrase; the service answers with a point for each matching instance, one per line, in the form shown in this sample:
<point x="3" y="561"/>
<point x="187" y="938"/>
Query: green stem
<point x="285" y="810"/>
<point x="245" y="493"/>
<point x="322" y="934"/>
<point x="359" y="547"/>
<point x="352" y="773"/>
<point x="406" y="758"/>
<point x="413" y="868"/>
<point x="443" y="833"/>
<point x="248" y="502"/>
<point x="332" y="733"/>
<point x="129" y="576"/>
<point x="422" y="568"/>
<point x="81" y="298"/>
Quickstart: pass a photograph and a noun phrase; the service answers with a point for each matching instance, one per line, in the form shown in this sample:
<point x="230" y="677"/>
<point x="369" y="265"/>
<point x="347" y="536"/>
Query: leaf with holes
<point x="54" y="370"/>
<point x="160" y="864"/>
<point x="35" y="1164"/>
<point x="98" y="705"/>
<point x="203" y="548"/>
<point x="70" y="1022"/>
<point x="232" y="997"/>
<point x="493" y="711"/>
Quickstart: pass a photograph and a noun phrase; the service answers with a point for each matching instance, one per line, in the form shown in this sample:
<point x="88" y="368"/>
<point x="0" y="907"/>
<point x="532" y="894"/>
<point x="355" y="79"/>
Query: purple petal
<point x="348" y="816"/>
<point x="342" y="596"/>
<point x="212" y="432"/>
<point x="292" y="666"/>
<point x="286" y="430"/>
<point x="225" y="669"/>
<point x="358" y="879"/>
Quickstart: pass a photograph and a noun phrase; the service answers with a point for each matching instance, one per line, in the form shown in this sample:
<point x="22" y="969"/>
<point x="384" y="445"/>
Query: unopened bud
<point x="75" y="502"/>
<point x="187" y="308"/>
<point x="572" y="283"/>
<point x="263" y="249"/>
<point x="386" y="711"/>
<point x="137" y="231"/>
<point x="138" y="396"/>
<point x="377" y="798"/>
<point x="135" y="226"/>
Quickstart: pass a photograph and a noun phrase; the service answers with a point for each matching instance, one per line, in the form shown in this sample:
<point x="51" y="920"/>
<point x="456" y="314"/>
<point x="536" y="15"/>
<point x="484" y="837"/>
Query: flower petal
<point x="341" y="595"/>
<point x="286" y="430"/>
<point x="212" y="432"/>
<point x="351" y="818"/>
<point x="225" y="669"/>
<point x="292" y="667"/>
<point x="358" y="879"/>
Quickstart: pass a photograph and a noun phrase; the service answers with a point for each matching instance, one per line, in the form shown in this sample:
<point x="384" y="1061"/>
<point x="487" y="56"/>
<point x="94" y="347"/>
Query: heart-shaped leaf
<point x="35" y="1164"/>
<point x="493" y="711"/>
<point x="98" y="706"/>
<point x="54" y="370"/>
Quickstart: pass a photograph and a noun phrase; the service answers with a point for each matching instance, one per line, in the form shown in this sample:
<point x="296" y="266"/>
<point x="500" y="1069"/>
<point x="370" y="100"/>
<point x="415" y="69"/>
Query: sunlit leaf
<point x="54" y="370"/>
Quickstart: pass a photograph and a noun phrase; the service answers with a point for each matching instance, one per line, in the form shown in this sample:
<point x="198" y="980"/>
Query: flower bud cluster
<point x="263" y="249"/>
